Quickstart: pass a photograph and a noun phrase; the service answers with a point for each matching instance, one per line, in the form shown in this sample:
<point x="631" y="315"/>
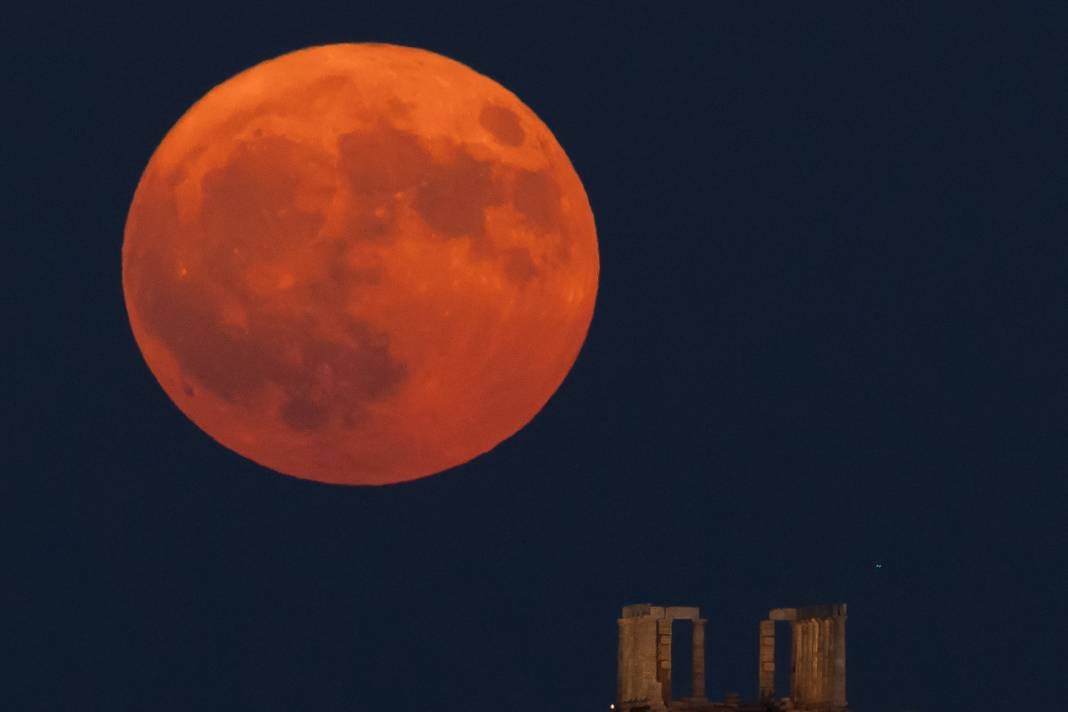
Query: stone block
<point x="636" y="610"/>
<point x="831" y="610"/>
<point x="683" y="612"/>
<point x="767" y="628"/>
<point x="767" y="667"/>
<point x="783" y="614"/>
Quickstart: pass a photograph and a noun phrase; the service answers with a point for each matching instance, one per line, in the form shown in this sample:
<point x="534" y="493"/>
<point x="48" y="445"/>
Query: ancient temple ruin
<point x="817" y="667"/>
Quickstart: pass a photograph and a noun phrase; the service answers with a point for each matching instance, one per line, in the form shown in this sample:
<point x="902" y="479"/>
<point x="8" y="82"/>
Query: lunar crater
<point x="503" y="124"/>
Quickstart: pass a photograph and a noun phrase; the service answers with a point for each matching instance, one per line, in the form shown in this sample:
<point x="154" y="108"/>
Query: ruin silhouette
<point x="817" y="669"/>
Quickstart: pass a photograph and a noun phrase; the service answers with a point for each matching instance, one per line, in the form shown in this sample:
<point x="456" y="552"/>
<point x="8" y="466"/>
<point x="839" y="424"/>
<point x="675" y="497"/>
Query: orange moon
<point x="360" y="264"/>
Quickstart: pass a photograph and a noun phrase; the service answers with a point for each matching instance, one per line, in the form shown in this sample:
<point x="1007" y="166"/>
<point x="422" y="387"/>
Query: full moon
<point x="360" y="264"/>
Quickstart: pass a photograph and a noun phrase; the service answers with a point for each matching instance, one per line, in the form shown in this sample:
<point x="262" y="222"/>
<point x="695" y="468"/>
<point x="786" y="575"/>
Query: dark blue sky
<point x="831" y="332"/>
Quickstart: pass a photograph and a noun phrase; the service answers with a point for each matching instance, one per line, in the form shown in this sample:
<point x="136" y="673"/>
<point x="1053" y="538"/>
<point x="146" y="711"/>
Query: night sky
<point x="828" y="363"/>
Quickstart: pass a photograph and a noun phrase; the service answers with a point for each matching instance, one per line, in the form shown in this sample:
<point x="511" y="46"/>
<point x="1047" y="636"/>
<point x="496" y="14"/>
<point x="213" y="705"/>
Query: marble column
<point x="804" y="664"/>
<point x="767" y="659"/>
<point x="663" y="656"/>
<point x="838" y="697"/>
<point x="697" y="689"/>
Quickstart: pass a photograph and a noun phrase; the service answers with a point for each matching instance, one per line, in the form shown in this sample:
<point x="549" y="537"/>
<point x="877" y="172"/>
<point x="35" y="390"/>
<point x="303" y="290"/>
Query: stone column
<point x="663" y="657"/>
<point x="798" y="686"/>
<point x="767" y="660"/>
<point x="821" y="660"/>
<point x="838" y="697"/>
<point x="803" y="664"/>
<point x="637" y="684"/>
<point x="697" y="689"/>
<point x="795" y="656"/>
<point x="815" y="651"/>
<point x="823" y="655"/>
<point x="812" y="654"/>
